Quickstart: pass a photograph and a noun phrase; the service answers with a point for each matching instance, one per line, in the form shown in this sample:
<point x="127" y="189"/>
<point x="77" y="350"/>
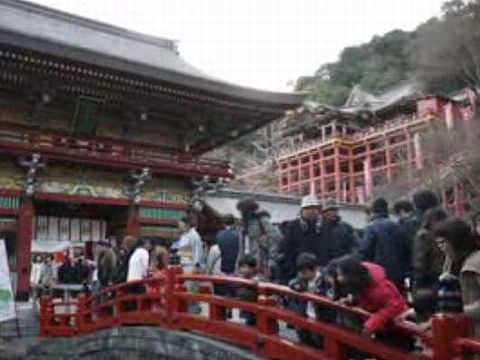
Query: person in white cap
<point x="303" y="235"/>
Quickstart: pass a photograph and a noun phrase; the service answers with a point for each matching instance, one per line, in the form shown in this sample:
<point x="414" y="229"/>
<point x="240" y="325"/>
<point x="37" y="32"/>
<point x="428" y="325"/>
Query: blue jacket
<point x="228" y="241"/>
<point x="384" y="243"/>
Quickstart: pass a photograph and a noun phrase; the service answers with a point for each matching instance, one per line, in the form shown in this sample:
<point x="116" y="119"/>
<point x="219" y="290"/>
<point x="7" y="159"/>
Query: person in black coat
<point x="385" y="244"/>
<point x="321" y="234"/>
<point x="407" y="220"/>
<point x="66" y="272"/>
<point x="302" y="235"/>
<point x="342" y="236"/>
<point x="228" y="240"/>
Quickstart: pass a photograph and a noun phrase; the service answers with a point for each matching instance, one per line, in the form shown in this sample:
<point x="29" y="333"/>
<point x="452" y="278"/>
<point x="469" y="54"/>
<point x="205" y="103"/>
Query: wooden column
<point x="417" y="146"/>
<point x="353" y="191"/>
<point x="367" y="168"/>
<point x="388" y="159"/>
<point x="311" y="175"/>
<point x="25" y="236"/>
<point x="323" y="183"/>
<point x="133" y="221"/>
<point x="408" y="137"/>
<point x="338" y="175"/>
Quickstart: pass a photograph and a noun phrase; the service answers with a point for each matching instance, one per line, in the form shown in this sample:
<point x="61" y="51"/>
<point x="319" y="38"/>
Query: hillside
<point x="441" y="55"/>
<point x="375" y="66"/>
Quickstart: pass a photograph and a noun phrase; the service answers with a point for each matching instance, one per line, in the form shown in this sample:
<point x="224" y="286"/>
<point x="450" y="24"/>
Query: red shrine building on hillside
<point x="102" y="131"/>
<point x="346" y="152"/>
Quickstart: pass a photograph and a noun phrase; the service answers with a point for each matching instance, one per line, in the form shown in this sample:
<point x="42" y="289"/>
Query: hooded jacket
<point x="261" y="239"/>
<point x="381" y="298"/>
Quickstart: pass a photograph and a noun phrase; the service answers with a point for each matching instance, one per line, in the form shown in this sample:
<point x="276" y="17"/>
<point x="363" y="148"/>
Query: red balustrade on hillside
<point x="164" y="303"/>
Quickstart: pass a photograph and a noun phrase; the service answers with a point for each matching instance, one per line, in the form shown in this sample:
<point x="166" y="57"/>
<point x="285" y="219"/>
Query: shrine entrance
<point x="67" y="225"/>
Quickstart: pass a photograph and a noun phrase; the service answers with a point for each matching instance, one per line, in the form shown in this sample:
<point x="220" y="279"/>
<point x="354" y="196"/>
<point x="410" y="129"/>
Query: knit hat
<point x="379" y="206"/>
<point x="330" y="204"/>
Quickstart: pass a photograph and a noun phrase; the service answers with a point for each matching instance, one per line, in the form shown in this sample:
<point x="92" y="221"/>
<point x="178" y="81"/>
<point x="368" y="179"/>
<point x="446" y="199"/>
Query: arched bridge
<point x="164" y="301"/>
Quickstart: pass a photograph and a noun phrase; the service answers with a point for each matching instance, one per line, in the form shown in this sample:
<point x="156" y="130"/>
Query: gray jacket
<point x="261" y="239"/>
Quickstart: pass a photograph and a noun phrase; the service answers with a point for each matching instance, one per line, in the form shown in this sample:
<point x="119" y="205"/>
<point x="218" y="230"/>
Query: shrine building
<point x="102" y="130"/>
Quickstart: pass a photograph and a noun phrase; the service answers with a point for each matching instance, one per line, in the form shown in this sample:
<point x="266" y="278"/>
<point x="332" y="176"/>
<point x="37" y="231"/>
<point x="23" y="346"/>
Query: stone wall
<point x="136" y="343"/>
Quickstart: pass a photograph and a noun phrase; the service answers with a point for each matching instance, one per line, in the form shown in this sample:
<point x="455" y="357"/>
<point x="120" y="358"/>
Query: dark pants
<point x="134" y="289"/>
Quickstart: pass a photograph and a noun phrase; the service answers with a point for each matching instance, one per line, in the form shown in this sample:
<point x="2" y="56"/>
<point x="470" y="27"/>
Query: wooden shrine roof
<point x="91" y="58"/>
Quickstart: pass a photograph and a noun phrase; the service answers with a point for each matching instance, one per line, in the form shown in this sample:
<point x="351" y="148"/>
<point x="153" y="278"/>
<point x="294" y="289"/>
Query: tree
<point x="449" y="157"/>
<point x="449" y="47"/>
<point x="375" y="66"/>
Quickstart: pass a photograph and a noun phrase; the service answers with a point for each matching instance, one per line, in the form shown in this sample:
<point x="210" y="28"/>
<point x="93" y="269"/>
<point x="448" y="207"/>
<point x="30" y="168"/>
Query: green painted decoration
<point x="163" y="214"/>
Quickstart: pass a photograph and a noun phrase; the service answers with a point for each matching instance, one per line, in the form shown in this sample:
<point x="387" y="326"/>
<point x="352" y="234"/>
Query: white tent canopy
<point x="49" y="246"/>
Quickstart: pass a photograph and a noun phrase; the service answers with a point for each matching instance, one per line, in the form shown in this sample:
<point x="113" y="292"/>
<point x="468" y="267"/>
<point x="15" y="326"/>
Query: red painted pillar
<point x="133" y="221"/>
<point x="388" y="159"/>
<point x="351" y="176"/>
<point x="446" y="329"/>
<point x="338" y="175"/>
<point x="25" y="236"/>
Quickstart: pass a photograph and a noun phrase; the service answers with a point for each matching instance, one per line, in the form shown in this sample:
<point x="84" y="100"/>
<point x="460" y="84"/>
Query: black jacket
<point x="410" y="227"/>
<point x="326" y="241"/>
<point x="66" y="273"/>
<point x="228" y="241"/>
<point x="343" y="239"/>
<point x="384" y="243"/>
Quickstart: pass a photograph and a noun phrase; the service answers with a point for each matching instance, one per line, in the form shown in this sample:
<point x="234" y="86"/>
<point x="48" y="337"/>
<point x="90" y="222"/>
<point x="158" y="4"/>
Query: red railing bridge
<point x="163" y="301"/>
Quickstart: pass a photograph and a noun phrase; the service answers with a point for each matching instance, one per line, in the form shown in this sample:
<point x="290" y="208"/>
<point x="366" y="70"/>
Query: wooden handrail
<point x="167" y="307"/>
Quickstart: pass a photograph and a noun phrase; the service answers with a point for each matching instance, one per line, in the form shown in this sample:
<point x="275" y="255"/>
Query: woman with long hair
<point x="461" y="246"/>
<point x="367" y="287"/>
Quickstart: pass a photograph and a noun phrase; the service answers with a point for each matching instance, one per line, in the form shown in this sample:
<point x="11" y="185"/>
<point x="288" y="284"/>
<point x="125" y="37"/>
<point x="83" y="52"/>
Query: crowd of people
<point x="412" y="260"/>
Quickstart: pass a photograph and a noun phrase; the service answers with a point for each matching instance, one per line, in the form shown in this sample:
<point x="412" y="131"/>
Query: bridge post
<point x="171" y="302"/>
<point x="446" y="328"/>
<point x="45" y="305"/>
<point x="81" y="313"/>
<point x="265" y="324"/>
<point x="333" y="349"/>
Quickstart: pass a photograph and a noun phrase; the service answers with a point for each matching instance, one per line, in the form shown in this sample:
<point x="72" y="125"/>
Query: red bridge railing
<point x="163" y="301"/>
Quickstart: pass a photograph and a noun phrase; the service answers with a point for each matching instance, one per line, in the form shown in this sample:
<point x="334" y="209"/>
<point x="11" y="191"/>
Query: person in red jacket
<point x="367" y="287"/>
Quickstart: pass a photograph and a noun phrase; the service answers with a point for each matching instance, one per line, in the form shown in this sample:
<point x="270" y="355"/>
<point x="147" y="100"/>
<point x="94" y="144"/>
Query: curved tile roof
<point x="58" y="33"/>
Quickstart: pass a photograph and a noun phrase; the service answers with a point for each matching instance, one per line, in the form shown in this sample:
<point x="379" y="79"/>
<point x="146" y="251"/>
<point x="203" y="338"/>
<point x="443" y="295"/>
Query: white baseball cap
<point x="310" y="201"/>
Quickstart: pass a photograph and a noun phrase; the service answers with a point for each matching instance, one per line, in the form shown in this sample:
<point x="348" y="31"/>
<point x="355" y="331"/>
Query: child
<point x="247" y="267"/>
<point x="309" y="279"/>
<point x="370" y="290"/>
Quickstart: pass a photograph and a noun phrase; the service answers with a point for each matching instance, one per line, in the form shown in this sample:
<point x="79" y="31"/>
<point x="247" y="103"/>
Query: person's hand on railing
<point x="367" y="333"/>
<point x="347" y="301"/>
<point x="426" y="326"/>
<point x="407" y="315"/>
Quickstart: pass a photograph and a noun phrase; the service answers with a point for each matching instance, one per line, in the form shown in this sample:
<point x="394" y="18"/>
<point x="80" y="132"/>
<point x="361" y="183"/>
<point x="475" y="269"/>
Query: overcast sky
<point x="258" y="43"/>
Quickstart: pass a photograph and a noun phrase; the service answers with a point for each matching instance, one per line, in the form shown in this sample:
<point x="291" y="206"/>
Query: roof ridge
<point x="91" y="23"/>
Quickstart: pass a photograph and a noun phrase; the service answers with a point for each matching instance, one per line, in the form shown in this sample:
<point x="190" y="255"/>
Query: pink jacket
<point x="381" y="298"/>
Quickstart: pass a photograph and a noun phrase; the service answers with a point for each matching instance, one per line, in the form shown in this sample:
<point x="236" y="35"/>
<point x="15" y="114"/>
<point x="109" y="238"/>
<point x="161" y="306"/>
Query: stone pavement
<point x="16" y="337"/>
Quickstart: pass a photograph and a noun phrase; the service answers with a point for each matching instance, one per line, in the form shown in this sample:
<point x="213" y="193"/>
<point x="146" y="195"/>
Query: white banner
<point x="7" y="305"/>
